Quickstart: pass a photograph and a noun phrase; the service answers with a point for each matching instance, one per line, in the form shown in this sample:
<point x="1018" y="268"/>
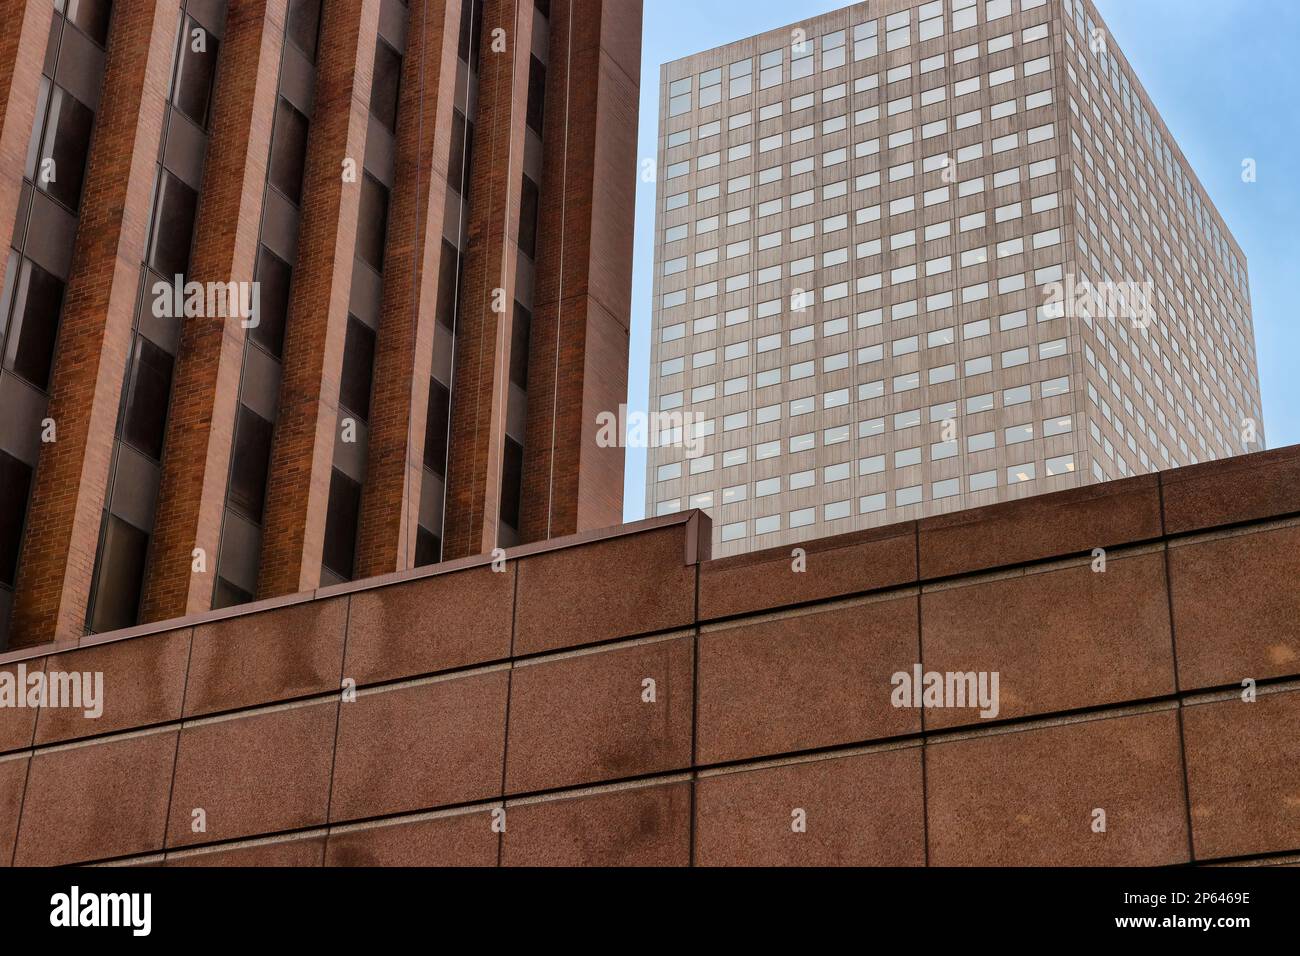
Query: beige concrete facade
<point x="871" y="226"/>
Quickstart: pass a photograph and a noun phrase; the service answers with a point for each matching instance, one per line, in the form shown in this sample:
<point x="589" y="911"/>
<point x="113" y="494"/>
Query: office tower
<point x="302" y="291"/>
<point x="918" y="257"/>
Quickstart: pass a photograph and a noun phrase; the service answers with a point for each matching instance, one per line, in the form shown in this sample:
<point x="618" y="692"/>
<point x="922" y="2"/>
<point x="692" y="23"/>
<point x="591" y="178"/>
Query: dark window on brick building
<point x="304" y="25"/>
<point x="250" y="462"/>
<point x="192" y="88"/>
<point x="543" y="7"/>
<point x="358" y="368"/>
<point x="15" y="482"/>
<point x="341" y="524"/>
<point x="462" y="141"/>
<point x="66" y="146"/>
<point x="116" y="601"/>
<point x="448" y="270"/>
<point x="384" y="87"/>
<point x="150" y="389"/>
<point x="91" y="16"/>
<point x="43" y="92"/>
<point x="229" y="595"/>
<point x="528" y="218"/>
<point x="173" y="226"/>
<point x="456" y="156"/>
<point x="428" y="547"/>
<point x="471" y="32"/>
<point x="289" y="151"/>
<point x="519" y="335"/>
<point x="536" y="94"/>
<point x="435" y="428"/>
<point x="273" y="276"/>
<point x="34" y="325"/>
<point x="372" y="222"/>
<point x="512" y="482"/>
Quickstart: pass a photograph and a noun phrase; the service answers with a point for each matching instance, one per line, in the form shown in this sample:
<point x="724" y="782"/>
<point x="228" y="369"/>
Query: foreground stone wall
<point x="521" y="697"/>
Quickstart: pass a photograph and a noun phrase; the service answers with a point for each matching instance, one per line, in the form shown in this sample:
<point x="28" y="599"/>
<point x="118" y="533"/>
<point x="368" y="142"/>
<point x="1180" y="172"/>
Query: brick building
<point x="504" y="716"/>
<point x="398" y="178"/>
<point x="434" y="201"/>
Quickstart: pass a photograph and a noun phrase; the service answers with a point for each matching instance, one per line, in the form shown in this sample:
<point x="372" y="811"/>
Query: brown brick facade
<point x="22" y="45"/>
<point x="201" y="424"/>
<point x="275" y="58"/>
<point x="483" y="340"/>
<point x="303" y="450"/>
<point x="59" y="543"/>
<point x="578" y="352"/>
<point x="523" y="695"/>
<point x="390" y="500"/>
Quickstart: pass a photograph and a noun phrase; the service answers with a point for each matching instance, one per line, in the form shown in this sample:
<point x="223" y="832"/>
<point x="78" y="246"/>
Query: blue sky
<point x="1222" y="73"/>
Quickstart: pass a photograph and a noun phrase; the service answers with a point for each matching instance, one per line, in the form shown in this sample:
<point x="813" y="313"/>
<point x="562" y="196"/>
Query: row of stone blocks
<point x="617" y="697"/>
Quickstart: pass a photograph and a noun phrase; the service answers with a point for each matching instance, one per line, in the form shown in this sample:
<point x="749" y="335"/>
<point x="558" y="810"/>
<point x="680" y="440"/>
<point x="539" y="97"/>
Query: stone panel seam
<point x="942" y="583"/>
<point x="609" y="643"/>
<point x="939" y="583"/>
<point x="1234" y="531"/>
<point x="1283" y="685"/>
<point x="259" y="711"/>
<point x="1272" y="858"/>
<point x="151" y="859"/>
<point x="1173" y="646"/>
<point x="1280" y="684"/>
<point x="920" y="657"/>
<point x="685" y="774"/>
<point x="815" y="757"/>
<point x="338" y="714"/>
<point x="1264" y="687"/>
<point x="1045" y="567"/>
<point x="1062" y="719"/>
<point x="36" y="720"/>
<point x="439" y="812"/>
<point x="461" y="810"/>
<point x="107" y="739"/>
<point x="176" y="753"/>
<point x="587" y="651"/>
<point x="695" y="717"/>
<point x="510" y="685"/>
<point x="664" y="779"/>
<point x="407" y="683"/>
<point x="22" y="802"/>
<point x="208" y="849"/>
<point x="573" y="793"/>
<point x="804" y="610"/>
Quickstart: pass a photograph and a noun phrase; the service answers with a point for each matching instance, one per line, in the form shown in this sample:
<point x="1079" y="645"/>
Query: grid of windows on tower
<point x="869" y="228"/>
